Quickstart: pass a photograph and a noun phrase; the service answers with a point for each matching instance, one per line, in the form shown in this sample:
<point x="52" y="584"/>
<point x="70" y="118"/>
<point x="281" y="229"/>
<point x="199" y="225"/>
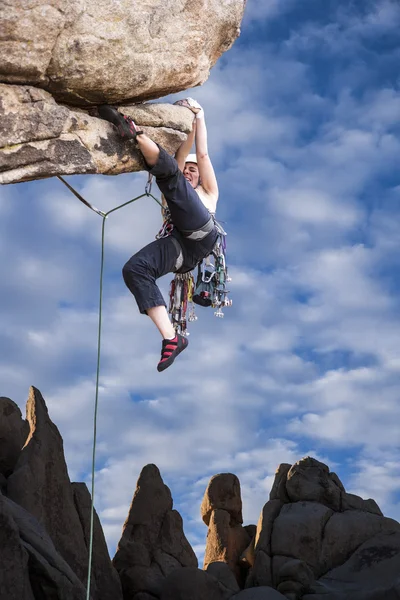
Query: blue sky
<point x="303" y="115"/>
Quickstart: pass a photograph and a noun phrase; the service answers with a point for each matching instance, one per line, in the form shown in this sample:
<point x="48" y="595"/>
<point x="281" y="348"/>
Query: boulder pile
<point x="313" y="540"/>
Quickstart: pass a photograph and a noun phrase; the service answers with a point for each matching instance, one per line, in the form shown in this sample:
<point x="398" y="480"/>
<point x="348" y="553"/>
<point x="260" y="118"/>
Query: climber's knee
<point x="135" y="271"/>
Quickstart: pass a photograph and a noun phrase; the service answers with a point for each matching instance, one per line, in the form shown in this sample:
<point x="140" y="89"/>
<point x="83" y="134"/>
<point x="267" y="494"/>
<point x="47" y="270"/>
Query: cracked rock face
<point x="40" y="138"/>
<point x="97" y="51"/>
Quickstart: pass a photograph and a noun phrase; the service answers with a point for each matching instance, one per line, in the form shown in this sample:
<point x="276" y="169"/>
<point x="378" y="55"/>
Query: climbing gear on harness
<point x="125" y="125"/>
<point x="170" y="350"/>
<point x="180" y="299"/>
<point x="209" y="290"/>
<point x="104" y="217"/>
<point x="212" y="278"/>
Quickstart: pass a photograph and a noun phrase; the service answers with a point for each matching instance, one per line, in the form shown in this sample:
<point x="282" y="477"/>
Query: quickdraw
<point x="180" y="299"/>
<point x="212" y="278"/>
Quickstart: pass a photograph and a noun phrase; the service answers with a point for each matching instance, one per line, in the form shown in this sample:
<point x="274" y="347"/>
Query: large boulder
<point x="13" y="433"/>
<point x="100" y="51"/>
<point x="153" y="544"/>
<point x="315" y="538"/>
<point x="41" y="485"/>
<point x="309" y="479"/>
<point x="223" y="492"/>
<point x="40" y="138"/>
<point x="226" y="579"/>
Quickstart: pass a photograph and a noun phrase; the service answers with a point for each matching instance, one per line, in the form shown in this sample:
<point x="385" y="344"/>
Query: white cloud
<point x="262" y="10"/>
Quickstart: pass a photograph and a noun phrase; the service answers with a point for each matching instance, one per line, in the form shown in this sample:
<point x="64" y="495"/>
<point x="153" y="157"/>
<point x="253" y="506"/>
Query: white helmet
<point x="191" y="158"/>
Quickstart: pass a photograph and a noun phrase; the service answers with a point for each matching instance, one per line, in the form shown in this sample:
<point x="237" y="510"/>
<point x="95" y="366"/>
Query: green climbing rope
<point x="104" y="217"/>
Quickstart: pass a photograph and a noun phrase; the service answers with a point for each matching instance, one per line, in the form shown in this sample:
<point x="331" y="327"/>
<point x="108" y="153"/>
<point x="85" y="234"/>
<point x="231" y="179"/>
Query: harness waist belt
<point x="201" y="233"/>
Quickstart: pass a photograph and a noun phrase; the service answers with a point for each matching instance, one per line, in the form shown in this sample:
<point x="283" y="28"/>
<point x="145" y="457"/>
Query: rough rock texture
<point x="223" y="492"/>
<point x="309" y="479"/>
<point x="40" y="138"/>
<point x="261" y="573"/>
<point x="13" y="433"/>
<point x="373" y="568"/>
<point x="153" y="543"/>
<point x="221" y="510"/>
<point x="191" y="584"/>
<point x="226" y="579"/>
<point x="31" y="568"/>
<point x="278" y="490"/>
<point x="259" y="593"/>
<point x="14" y="577"/>
<point x="107" y="584"/>
<point x="97" y="51"/>
<point x="41" y="485"/>
<point x="226" y="543"/>
<point x="313" y="537"/>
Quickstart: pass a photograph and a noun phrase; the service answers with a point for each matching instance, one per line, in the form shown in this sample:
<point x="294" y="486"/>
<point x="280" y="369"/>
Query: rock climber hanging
<point x="189" y="186"/>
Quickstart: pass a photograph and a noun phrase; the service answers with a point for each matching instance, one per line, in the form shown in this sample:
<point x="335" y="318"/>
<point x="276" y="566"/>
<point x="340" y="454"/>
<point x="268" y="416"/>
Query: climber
<point x="190" y="190"/>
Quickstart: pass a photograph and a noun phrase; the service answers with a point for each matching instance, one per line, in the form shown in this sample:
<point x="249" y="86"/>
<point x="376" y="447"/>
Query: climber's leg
<point x="140" y="274"/>
<point x="128" y="129"/>
<point x="143" y="269"/>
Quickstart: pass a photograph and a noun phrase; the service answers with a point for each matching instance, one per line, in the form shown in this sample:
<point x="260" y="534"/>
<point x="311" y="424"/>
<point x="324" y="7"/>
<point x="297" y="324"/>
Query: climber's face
<point x="191" y="174"/>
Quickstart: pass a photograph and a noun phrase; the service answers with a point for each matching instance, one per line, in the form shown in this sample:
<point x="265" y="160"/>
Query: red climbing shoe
<point x="170" y="350"/>
<point x="125" y="125"/>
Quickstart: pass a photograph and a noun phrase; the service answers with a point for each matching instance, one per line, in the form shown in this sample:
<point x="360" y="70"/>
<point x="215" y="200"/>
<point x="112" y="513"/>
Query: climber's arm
<point x="206" y="170"/>
<point x="184" y="149"/>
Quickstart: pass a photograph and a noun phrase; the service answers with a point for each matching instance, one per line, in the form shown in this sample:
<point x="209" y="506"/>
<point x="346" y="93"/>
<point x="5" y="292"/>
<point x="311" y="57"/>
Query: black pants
<point x="188" y="213"/>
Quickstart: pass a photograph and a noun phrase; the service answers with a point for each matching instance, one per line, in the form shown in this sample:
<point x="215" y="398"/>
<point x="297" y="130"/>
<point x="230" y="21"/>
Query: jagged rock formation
<point x="96" y="52"/>
<point x="41" y="485"/>
<point x="153" y="544"/>
<point x="44" y="519"/>
<point x="313" y="540"/>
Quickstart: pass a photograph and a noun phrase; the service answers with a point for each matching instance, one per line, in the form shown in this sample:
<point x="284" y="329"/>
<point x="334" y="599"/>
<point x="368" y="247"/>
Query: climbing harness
<point x="210" y="286"/>
<point x="104" y="216"/>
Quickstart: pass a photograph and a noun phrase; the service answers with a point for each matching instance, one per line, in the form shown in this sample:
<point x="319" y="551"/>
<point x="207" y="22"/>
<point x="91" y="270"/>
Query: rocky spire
<point x="153" y="543"/>
<point x="40" y="484"/>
